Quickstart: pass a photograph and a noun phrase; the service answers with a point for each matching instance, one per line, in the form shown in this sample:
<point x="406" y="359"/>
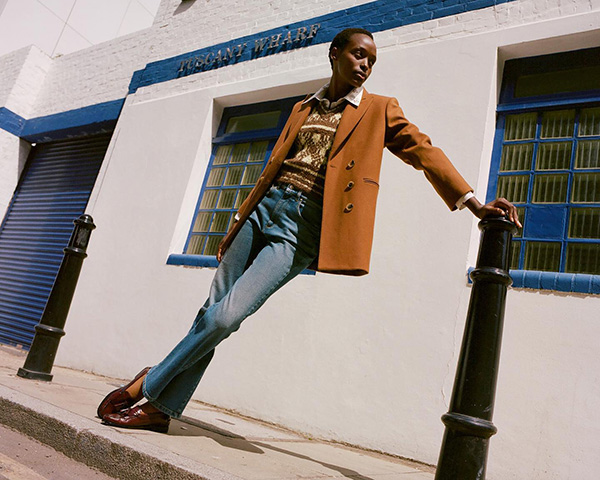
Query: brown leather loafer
<point x="135" y="417"/>
<point x="119" y="399"/>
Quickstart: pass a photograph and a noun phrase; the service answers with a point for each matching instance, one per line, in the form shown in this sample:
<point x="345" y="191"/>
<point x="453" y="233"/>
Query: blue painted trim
<point x="546" y="104"/>
<point x="553" y="62"/>
<point x="496" y="156"/>
<point x="193" y="260"/>
<point x="90" y="120"/>
<point x="205" y="261"/>
<point x="93" y="119"/>
<point x="254" y="135"/>
<point x="11" y="122"/>
<point x="561" y="282"/>
<point x="375" y="16"/>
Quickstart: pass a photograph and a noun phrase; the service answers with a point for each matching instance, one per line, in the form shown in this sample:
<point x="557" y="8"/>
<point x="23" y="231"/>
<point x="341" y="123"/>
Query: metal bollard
<point x="469" y="426"/>
<point x="48" y="332"/>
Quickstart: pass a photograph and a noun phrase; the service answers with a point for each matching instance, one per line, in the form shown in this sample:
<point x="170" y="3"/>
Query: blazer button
<point x="350" y="185"/>
<point x="348" y="208"/>
<point x="350" y="165"/>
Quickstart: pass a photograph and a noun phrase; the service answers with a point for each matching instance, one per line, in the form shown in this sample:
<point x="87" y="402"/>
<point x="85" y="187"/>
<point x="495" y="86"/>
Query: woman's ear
<point x="333" y="55"/>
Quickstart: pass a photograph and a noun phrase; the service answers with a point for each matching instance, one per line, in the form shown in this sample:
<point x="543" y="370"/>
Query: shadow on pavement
<point x="190" y="427"/>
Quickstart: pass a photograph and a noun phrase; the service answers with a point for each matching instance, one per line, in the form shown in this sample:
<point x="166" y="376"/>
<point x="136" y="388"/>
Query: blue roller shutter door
<point x="54" y="190"/>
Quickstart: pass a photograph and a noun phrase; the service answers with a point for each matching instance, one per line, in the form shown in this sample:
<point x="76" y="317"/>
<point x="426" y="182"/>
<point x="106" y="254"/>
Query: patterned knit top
<point x="305" y="167"/>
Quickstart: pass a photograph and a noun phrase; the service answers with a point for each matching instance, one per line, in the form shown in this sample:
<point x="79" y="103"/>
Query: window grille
<point x="547" y="161"/>
<point x="244" y="142"/>
<point x="550" y="167"/>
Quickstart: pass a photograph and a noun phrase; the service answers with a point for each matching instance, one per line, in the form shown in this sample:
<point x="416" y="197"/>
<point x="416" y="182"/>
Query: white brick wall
<point x="10" y="66"/>
<point x="503" y="16"/>
<point x="13" y="154"/>
<point x="97" y="74"/>
<point x="23" y="74"/>
<point x="29" y="83"/>
<point x="223" y="21"/>
<point x="219" y="13"/>
<point x="102" y="73"/>
<point x="499" y="17"/>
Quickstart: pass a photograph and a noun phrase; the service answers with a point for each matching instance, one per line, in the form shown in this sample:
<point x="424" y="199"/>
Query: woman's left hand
<point x="497" y="207"/>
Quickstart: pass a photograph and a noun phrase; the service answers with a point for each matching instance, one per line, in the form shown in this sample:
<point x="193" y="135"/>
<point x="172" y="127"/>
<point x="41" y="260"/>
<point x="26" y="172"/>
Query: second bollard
<point x="49" y="331"/>
<point x="468" y="422"/>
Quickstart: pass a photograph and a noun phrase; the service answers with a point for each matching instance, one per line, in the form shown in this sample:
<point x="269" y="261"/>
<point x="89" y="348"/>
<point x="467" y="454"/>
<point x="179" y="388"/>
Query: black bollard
<point x="468" y="422"/>
<point x="48" y="332"/>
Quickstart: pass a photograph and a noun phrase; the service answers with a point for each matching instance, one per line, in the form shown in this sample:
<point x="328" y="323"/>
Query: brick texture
<point x="23" y="74"/>
<point x="103" y="72"/>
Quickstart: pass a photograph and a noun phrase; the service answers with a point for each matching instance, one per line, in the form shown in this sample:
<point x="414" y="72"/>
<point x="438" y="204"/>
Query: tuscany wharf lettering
<point x="288" y="39"/>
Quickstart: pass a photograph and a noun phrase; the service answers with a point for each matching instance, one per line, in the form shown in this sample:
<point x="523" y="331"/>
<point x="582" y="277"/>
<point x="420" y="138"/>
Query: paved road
<point x="22" y="458"/>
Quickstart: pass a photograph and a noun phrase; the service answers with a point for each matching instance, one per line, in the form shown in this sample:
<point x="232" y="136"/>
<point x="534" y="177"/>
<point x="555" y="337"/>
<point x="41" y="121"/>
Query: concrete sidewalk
<point x="207" y="443"/>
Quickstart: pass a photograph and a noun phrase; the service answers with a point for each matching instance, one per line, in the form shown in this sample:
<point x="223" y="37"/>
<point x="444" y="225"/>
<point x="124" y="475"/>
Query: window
<point x="547" y="161"/>
<point x="244" y="141"/>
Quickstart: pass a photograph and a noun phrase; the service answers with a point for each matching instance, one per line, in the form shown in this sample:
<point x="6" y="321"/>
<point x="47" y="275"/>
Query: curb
<point x="87" y="441"/>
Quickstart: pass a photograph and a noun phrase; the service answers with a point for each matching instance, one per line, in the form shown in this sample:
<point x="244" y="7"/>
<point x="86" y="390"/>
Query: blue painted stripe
<point x="205" y="261"/>
<point x="11" y="122"/>
<point x="561" y="282"/>
<point x="375" y="16"/>
<point x="548" y="103"/>
<point x="192" y="260"/>
<point x="90" y="120"/>
<point x="99" y="118"/>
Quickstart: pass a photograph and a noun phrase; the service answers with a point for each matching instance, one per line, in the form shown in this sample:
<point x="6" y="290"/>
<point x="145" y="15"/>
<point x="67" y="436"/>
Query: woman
<point x="294" y="215"/>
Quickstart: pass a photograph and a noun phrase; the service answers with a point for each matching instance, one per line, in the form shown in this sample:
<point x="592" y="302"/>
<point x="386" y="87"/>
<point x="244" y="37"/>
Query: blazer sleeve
<point x="405" y="141"/>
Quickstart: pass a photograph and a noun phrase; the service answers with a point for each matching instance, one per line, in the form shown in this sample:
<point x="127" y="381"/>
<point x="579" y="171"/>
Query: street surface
<point x="22" y="458"/>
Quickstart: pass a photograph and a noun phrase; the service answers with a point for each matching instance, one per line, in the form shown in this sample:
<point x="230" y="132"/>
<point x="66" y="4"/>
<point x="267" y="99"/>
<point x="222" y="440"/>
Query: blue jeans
<point x="277" y="242"/>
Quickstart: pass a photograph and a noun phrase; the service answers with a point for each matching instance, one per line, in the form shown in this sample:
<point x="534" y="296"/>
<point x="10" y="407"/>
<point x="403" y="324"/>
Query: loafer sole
<point x="160" y="428"/>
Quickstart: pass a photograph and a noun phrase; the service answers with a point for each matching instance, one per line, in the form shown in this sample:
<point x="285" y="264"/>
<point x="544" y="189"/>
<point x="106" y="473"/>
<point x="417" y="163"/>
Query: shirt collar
<point x="353" y="97"/>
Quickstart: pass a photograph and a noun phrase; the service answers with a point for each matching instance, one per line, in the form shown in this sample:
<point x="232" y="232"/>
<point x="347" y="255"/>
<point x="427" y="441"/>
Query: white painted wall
<point x="380" y="350"/>
<point x="13" y="155"/>
<point x="59" y="27"/>
<point x="23" y="74"/>
<point x="368" y="361"/>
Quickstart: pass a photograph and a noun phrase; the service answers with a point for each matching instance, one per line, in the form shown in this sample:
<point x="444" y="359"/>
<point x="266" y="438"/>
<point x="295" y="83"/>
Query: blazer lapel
<point x="350" y="119"/>
<point x="296" y="121"/>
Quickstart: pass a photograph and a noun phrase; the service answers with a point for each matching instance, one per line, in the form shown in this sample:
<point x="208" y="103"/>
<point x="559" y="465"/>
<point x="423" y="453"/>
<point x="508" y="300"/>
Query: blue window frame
<point x="547" y="162"/>
<point x="240" y="150"/>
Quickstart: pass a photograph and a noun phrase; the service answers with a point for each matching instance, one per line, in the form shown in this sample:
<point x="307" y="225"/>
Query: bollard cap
<point x="85" y="221"/>
<point x="81" y="234"/>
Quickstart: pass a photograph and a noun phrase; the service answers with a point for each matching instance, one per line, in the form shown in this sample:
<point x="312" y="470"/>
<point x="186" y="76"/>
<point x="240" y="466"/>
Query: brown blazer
<point x="351" y="180"/>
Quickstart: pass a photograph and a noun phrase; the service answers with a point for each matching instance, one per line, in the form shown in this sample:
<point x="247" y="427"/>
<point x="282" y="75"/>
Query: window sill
<point x="562" y="282"/>
<point x="205" y="261"/>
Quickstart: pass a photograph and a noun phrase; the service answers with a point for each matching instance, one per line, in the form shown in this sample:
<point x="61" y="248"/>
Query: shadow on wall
<point x="183" y="6"/>
<point x="24" y="149"/>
